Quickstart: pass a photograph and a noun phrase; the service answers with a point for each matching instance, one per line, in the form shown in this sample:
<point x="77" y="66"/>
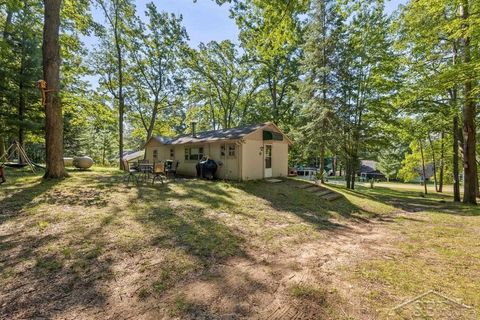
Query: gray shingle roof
<point x="212" y="135"/>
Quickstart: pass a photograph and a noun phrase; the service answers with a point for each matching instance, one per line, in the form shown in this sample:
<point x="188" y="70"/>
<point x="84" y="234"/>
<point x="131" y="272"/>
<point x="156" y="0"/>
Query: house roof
<point x="368" y="166"/>
<point x="214" y="135"/>
<point x="134" y="155"/>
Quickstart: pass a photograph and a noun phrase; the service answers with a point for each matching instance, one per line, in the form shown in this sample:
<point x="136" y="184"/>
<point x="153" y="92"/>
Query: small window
<point x="231" y="150"/>
<point x="155" y="154"/>
<point x="172" y="153"/>
<point x="193" y="153"/>
<point x="222" y="151"/>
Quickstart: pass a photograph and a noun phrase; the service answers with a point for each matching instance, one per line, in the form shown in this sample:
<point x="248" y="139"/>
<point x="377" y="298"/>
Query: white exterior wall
<point x="252" y="157"/>
<point x="253" y="161"/>
<point x="247" y="164"/>
<point x="229" y="168"/>
<point x="163" y="151"/>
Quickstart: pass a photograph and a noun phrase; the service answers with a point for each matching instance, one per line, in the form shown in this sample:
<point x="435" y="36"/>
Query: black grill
<point x="206" y="169"/>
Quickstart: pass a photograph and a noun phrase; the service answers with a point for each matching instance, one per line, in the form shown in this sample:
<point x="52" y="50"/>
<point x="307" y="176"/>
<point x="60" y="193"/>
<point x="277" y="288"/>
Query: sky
<point x="204" y="20"/>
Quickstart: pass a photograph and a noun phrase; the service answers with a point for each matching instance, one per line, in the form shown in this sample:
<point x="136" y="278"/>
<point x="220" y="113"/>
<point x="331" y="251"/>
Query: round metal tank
<point x="82" y="162"/>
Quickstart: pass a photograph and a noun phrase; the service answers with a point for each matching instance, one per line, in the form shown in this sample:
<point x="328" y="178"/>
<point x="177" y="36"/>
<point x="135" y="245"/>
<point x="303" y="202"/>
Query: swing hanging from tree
<point x="16" y="148"/>
<point x="22" y="159"/>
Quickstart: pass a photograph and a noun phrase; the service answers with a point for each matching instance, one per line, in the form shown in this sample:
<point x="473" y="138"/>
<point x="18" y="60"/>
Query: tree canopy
<point x="344" y="79"/>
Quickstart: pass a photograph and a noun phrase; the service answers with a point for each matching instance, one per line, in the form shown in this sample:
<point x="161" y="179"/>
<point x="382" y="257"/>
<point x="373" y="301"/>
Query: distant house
<point x="368" y="170"/>
<point x="428" y="173"/>
<point x="134" y="156"/>
<point x="243" y="153"/>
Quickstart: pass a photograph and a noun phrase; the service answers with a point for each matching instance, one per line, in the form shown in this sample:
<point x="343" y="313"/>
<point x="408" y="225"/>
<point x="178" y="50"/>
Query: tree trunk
<point x="456" y="175"/>
<point x="153" y="119"/>
<point x="322" y="163"/>
<point x="51" y="74"/>
<point x="442" y="162"/>
<point x="22" y="87"/>
<point x="2" y="146"/>
<point x="104" y="152"/>
<point x="21" y="104"/>
<point x="434" y="163"/>
<point x="423" y="167"/>
<point x="353" y="172"/>
<point x="347" y="172"/>
<point x="469" y="113"/>
<point x="334" y="165"/>
<point x="121" y="103"/>
<point x="456" y="134"/>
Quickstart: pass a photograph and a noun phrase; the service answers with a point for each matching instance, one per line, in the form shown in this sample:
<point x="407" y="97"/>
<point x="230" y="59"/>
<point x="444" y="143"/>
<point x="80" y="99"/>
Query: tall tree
<point x="119" y="15"/>
<point x="366" y="72"/>
<point x="437" y="41"/>
<point x="470" y="184"/>
<point x="157" y="48"/>
<point x="51" y="74"/>
<point x="318" y="87"/>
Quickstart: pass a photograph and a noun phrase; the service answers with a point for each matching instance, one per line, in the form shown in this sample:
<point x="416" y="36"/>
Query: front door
<point x="268" y="161"/>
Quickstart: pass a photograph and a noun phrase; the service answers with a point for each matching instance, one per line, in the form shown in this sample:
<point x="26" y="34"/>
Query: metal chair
<point x="144" y="167"/>
<point x="130" y="172"/>
<point x="171" y="168"/>
<point x="158" y="172"/>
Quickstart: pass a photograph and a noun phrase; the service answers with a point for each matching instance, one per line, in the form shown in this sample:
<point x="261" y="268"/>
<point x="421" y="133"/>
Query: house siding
<point x="228" y="166"/>
<point x="247" y="164"/>
<point x="253" y="156"/>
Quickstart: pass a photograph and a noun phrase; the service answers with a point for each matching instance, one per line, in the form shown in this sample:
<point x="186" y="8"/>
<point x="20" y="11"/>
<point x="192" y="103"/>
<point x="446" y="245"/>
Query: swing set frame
<point x="15" y="146"/>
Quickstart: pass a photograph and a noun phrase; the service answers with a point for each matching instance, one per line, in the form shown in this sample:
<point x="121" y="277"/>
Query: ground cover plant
<point x="90" y="246"/>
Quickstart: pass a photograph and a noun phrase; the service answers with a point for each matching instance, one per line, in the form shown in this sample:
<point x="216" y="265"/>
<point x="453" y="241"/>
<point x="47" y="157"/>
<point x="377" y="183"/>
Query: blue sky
<point x="204" y="20"/>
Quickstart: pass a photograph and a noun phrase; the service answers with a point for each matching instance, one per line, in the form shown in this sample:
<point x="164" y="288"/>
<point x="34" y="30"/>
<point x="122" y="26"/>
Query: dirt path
<point x="299" y="281"/>
<point x="95" y="260"/>
<point x="264" y="288"/>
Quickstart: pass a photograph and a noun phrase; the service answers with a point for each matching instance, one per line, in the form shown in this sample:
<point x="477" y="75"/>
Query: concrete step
<point x="306" y="186"/>
<point x="332" y="196"/>
<point x="324" y="192"/>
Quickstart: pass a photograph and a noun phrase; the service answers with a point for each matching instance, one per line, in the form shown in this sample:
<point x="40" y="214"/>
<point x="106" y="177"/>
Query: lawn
<point x="91" y="247"/>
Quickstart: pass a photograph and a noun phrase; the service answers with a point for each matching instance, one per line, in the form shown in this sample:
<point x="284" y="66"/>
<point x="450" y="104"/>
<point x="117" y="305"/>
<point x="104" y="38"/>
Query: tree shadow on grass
<point x="412" y="201"/>
<point x="187" y="225"/>
<point x="45" y="271"/>
<point x="287" y="197"/>
<point x="44" y="275"/>
<point x="19" y="198"/>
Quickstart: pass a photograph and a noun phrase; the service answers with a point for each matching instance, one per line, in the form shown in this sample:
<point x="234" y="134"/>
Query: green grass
<point x="308" y="292"/>
<point x="98" y="239"/>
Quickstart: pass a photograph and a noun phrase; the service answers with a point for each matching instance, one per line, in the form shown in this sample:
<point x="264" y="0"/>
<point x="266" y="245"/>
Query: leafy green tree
<point x="111" y="57"/>
<point x="437" y="41"/>
<point x="389" y="163"/>
<point x="20" y="69"/>
<point x="157" y="48"/>
<point x="318" y="87"/>
<point x="222" y="85"/>
<point x="270" y="33"/>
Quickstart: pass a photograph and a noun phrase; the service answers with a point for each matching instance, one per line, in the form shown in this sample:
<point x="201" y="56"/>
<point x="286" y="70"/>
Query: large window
<point x="194" y="153"/>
